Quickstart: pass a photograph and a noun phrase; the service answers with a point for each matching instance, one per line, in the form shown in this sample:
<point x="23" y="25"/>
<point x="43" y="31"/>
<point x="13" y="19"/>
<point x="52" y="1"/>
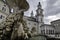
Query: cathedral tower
<point x="39" y="16"/>
<point x="32" y="14"/>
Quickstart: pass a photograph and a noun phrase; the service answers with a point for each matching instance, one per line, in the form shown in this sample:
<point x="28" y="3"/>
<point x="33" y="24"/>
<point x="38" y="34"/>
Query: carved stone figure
<point x="14" y="24"/>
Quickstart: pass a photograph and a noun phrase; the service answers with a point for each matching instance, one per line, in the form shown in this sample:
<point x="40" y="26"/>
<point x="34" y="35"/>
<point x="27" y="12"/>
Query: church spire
<point x="39" y="5"/>
<point x="39" y="13"/>
<point x="39" y="9"/>
<point x="32" y="14"/>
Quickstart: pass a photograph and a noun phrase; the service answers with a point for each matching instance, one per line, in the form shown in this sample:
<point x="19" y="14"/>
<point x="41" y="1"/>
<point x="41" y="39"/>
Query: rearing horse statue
<point x="15" y="21"/>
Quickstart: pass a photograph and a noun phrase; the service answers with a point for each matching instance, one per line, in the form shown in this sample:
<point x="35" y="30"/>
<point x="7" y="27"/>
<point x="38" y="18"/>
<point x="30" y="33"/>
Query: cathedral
<point x="37" y="21"/>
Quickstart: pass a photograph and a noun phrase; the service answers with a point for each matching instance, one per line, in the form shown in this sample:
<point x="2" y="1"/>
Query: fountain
<point x="14" y="25"/>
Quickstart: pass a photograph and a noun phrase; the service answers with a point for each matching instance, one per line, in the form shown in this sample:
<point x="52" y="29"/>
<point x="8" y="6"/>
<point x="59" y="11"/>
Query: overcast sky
<point x="51" y="9"/>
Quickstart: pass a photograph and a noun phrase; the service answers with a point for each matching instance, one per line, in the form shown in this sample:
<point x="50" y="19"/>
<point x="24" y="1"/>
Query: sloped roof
<point x="47" y="25"/>
<point x="31" y="19"/>
<point x="55" y="20"/>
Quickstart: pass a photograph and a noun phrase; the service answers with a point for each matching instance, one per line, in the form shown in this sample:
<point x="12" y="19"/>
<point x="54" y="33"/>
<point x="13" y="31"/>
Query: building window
<point x="42" y="31"/>
<point x="56" y="24"/>
<point x="41" y="20"/>
<point x="58" y="35"/>
<point x="33" y="29"/>
<point x="47" y="32"/>
<point x="53" y="31"/>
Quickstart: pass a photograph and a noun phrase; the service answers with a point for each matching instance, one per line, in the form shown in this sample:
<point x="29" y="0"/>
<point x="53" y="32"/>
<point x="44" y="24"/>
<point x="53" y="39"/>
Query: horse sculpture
<point x="15" y="21"/>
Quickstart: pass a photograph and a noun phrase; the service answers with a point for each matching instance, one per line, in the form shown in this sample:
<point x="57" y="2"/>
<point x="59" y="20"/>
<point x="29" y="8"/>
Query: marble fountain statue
<point x="14" y="27"/>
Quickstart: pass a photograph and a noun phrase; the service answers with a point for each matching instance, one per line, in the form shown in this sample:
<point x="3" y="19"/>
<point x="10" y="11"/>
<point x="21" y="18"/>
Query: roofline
<point x="47" y="25"/>
<point x="55" y="20"/>
<point x="32" y="18"/>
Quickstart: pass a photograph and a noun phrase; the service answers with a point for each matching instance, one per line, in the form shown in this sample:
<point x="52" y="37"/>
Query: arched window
<point x="42" y="31"/>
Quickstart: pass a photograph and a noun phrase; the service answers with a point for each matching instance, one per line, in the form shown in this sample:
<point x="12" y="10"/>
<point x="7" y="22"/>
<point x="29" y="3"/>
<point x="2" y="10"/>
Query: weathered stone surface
<point x="14" y="24"/>
<point x="14" y="27"/>
<point x="22" y="4"/>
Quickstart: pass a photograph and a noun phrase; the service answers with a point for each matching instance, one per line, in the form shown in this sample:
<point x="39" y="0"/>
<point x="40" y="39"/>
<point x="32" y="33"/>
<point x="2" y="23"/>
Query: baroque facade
<point x="56" y="23"/>
<point x="48" y="30"/>
<point x="34" y="23"/>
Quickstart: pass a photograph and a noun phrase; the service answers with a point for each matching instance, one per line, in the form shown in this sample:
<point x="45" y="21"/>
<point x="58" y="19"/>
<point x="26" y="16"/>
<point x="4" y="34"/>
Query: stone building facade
<point x="48" y="30"/>
<point x="36" y="21"/>
<point x="56" y="23"/>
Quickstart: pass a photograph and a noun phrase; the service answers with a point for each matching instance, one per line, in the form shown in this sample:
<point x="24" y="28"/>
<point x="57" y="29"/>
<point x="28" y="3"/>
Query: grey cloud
<point x="52" y="12"/>
<point x="51" y="2"/>
<point x="33" y="5"/>
<point x="51" y="9"/>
